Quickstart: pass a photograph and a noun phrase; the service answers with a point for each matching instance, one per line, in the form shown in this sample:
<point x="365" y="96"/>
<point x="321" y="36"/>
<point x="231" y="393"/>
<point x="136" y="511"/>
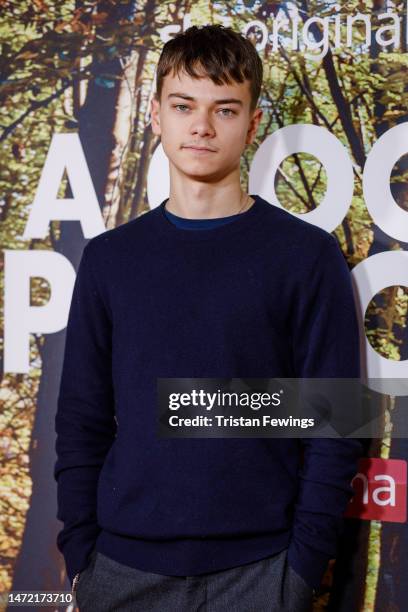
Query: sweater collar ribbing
<point x="243" y="221"/>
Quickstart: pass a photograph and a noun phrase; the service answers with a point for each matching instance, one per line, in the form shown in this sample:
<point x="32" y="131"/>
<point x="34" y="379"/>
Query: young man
<point x="213" y="282"/>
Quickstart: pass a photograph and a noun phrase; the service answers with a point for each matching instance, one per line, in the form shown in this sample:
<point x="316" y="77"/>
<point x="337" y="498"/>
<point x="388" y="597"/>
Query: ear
<point x="155" y="116"/>
<point x="253" y="125"/>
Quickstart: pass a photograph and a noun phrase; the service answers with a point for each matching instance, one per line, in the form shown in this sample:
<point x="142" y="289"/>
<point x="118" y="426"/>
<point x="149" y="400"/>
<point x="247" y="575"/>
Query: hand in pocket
<point x="85" y="576"/>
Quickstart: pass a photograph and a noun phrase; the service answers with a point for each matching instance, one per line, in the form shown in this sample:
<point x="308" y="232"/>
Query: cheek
<point x="237" y="141"/>
<point x="235" y="134"/>
<point x="170" y="138"/>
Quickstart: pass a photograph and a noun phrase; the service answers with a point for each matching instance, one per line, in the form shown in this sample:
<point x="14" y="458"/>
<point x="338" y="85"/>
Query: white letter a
<point x="65" y="153"/>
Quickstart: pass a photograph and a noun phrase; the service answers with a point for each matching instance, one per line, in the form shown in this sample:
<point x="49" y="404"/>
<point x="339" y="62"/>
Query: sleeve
<point x="85" y="421"/>
<point x="325" y="345"/>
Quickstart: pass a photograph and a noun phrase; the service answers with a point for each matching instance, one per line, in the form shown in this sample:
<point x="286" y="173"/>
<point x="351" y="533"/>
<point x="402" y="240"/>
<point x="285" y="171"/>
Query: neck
<point x="221" y="203"/>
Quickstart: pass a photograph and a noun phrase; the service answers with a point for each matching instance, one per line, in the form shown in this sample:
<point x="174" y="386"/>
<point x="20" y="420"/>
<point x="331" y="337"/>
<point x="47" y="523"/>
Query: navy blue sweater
<point x="195" y="224"/>
<point x="267" y="295"/>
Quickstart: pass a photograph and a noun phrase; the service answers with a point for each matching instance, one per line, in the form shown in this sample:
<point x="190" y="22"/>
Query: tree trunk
<point x="392" y="588"/>
<point x="39" y="565"/>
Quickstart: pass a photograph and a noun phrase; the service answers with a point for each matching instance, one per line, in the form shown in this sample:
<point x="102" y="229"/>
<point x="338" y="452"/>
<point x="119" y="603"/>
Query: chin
<point x="197" y="169"/>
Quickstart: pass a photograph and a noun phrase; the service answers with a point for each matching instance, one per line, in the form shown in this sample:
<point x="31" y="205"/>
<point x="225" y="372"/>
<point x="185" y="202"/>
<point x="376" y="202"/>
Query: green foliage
<point x="47" y="53"/>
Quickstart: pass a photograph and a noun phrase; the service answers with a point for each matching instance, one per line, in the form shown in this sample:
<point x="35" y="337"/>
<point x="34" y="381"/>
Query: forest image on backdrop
<point x="88" y="68"/>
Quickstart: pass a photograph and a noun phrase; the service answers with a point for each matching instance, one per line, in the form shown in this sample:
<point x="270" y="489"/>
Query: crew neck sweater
<point x="197" y="224"/>
<point x="268" y="295"/>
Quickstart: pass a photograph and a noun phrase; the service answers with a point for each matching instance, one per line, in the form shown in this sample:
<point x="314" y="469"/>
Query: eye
<point x="178" y="105"/>
<point x="229" y="111"/>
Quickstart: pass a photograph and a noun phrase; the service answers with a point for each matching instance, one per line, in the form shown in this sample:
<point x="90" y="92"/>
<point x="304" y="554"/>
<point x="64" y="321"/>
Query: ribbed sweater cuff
<point x="77" y="550"/>
<point x="309" y="563"/>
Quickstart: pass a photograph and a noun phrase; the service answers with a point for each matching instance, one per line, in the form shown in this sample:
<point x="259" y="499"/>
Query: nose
<point x="202" y="125"/>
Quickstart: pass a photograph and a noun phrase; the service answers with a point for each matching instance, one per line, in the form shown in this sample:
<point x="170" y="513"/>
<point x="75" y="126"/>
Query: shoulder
<point x="295" y="235"/>
<point x="123" y="238"/>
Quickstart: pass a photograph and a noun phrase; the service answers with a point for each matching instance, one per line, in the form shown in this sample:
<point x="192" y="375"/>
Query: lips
<point x="199" y="148"/>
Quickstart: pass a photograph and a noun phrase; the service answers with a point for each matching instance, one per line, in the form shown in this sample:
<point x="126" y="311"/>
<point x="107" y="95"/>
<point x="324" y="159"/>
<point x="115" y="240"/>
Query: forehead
<point x="203" y="88"/>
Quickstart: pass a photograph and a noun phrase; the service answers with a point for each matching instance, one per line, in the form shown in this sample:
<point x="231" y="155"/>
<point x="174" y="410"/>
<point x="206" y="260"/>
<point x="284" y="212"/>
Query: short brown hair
<point x="223" y="54"/>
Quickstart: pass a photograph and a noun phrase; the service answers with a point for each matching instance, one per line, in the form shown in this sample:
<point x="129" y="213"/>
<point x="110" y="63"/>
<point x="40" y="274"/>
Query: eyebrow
<point x="222" y="101"/>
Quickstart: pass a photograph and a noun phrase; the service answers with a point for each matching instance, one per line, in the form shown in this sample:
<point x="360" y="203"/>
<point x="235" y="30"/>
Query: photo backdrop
<point x="79" y="157"/>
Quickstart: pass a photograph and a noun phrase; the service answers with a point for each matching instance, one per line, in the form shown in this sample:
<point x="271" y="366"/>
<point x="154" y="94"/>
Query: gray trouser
<point x="269" y="585"/>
